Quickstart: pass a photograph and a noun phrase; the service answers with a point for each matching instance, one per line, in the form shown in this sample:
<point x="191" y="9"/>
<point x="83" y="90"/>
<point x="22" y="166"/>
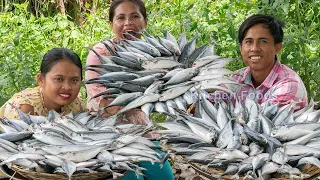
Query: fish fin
<point x="165" y="158"/>
<point x="138" y="173"/>
<point x="236" y="176"/>
<point x="112" y="52"/>
<point x="100" y="57"/>
<point x="131" y="36"/>
<point x="115" y="175"/>
<point x="23" y="116"/>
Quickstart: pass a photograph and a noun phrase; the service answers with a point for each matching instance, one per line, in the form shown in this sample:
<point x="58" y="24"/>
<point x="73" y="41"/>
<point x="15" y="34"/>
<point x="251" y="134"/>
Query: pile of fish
<point x="246" y="139"/>
<point x="158" y="74"/>
<point x="72" y="144"/>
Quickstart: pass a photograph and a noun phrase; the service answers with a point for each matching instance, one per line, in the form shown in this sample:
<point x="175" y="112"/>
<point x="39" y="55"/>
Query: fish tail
<point x="164" y="159"/>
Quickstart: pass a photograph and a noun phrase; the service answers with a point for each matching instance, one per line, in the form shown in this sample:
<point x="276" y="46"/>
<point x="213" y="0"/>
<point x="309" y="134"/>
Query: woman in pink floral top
<point x="125" y="17"/>
<point x="59" y="85"/>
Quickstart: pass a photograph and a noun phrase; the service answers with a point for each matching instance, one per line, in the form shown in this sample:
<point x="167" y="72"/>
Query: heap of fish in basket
<point x="75" y="144"/>
<point x="166" y="76"/>
<point x="158" y="74"/>
<point x="248" y="140"/>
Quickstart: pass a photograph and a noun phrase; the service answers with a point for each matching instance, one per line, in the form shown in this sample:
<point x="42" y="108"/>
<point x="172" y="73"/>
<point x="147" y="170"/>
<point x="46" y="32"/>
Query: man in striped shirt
<point x="265" y="79"/>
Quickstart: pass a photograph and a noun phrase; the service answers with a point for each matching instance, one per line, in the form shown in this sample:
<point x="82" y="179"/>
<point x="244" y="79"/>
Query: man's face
<point x="258" y="49"/>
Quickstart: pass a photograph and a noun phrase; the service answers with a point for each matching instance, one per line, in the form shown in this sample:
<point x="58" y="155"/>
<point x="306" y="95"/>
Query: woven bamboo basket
<point x="311" y="170"/>
<point x="41" y="176"/>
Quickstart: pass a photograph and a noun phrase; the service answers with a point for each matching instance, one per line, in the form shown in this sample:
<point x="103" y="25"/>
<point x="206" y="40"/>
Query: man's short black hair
<point x="275" y="26"/>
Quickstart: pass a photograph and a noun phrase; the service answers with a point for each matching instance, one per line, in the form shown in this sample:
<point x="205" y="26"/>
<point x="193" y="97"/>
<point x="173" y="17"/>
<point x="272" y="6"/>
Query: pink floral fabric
<point x="93" y="89"/>
<point x="135" y="116"/>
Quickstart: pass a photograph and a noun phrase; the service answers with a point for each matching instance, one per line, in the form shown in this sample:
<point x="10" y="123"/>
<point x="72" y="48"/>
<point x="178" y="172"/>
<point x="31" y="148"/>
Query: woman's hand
<point x="110" y="110"/>
<point x="27" y="108"/>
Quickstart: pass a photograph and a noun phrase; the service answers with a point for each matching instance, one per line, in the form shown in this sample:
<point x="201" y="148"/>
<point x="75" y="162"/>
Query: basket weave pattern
<point x="311" y="170"/>
<point x="46" y="176"/>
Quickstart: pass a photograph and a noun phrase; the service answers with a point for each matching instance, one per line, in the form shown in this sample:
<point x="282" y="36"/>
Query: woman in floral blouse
<point x="59" y="85"/>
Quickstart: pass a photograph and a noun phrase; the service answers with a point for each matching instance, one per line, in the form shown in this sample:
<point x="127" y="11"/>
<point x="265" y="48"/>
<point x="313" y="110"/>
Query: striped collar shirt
<point x="281" y="86"/>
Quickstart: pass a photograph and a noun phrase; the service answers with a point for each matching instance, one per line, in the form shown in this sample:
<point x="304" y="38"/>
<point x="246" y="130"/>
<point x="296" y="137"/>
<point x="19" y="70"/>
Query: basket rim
<point x="28" y="174"/>
<point x="315" y="173"/>
<point x="7" y="174"/>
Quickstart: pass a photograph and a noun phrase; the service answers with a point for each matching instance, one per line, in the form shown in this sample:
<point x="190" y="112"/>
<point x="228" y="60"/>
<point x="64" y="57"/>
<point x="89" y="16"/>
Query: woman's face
<point x="61" y="85"/>
<point x="127" y="18"/>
